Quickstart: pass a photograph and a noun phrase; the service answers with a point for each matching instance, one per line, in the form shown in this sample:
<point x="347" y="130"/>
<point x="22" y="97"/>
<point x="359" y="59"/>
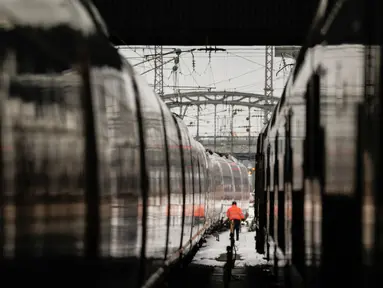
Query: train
<point x="315" y="190"/>
<point x="95" y="166"/>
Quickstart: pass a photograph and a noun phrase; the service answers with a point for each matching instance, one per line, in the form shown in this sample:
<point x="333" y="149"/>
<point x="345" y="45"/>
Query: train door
<point x="195" y="188"/>
<point x="267" y="196"/>
<point x="241" y="195"/>
<point x="378" y="265"/>
<point x="260" y="196"/>
<point x="274" y="198"/>
<point x="288" y="179"/>
<point x="220" y="189"/>
<point x="307" y="223"/>
<point x="202" y="176"/>
<point x="271" y="192"/>
<point x="184" y="182"/>
<point x="168" y="187"/>
<point x="280" y="224"/>
<point x="369" y="166"/>
<point x="259" y="176"/>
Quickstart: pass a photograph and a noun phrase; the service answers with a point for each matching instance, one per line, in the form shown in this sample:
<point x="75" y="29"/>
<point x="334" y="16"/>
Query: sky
<point x="239" y="68"/>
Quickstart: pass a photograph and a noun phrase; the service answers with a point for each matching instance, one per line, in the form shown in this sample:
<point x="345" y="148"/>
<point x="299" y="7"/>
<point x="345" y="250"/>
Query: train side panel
<point x="316" y="123"/>
<point x="114" y="91"/>
<point x="217" y="188"/>
<point x="175" y="193"/>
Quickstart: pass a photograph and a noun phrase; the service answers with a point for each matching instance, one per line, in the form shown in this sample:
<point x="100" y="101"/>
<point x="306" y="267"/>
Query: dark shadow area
<point x="195" y="275"/>
<point x="223" y="257"/>
<point x="241" y="22"/>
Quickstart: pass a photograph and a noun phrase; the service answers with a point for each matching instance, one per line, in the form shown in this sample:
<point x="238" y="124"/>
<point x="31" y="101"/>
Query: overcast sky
<point x="239" y="68"/>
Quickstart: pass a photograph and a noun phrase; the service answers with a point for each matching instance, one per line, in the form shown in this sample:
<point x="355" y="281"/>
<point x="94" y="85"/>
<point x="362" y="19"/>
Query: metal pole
<point x="197" y="121"/>
<point x="269" y="57"/>
<point x="249" y="134"/>
<point x="215" y="127"/>
<point x="231" y="128"/>
<point x="158" y="71"/>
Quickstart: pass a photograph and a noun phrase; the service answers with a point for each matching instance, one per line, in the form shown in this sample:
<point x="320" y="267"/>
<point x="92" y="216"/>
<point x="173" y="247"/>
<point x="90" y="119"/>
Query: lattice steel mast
<point x="158" y="71"/>
<point x="269" y="63"/>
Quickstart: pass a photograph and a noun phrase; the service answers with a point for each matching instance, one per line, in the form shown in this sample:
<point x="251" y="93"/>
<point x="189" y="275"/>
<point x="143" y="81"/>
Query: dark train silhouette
<point x="316" y="172"/>
<point x="95" y="166"/>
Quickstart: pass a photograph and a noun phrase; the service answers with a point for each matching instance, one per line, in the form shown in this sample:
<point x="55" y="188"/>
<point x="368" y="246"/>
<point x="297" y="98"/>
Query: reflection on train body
<point x="315" y="173"/>
<point x="122" y="160"/>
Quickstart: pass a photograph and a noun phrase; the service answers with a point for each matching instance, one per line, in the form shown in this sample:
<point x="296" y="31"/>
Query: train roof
<point x="223" y="157"/>
<point x="48" y="14"/>
<point x="57" y="24"/>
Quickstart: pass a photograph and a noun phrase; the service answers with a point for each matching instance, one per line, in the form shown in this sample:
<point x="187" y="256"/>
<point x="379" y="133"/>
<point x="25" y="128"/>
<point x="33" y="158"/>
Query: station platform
<point x="207" y="267"/>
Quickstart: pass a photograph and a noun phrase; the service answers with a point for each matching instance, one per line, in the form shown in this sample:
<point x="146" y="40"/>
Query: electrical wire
<point x="247" y="59"/>
<point x="235" y="48"/>
<point x="166" y="62"/>
<point x="236" y="77"/>
<point x="209" y="66"/>
<point x="141" y="56"/>
<point x="191" y="73"/>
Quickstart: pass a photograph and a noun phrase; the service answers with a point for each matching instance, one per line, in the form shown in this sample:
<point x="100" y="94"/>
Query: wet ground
<point x="207" y="268"/>
<point x="212" y="277"/>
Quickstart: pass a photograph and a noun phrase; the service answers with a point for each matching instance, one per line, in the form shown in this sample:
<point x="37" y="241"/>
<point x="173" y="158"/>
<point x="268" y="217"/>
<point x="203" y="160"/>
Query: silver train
<point x="94" y="163"/>
<point x="313" y="200"/>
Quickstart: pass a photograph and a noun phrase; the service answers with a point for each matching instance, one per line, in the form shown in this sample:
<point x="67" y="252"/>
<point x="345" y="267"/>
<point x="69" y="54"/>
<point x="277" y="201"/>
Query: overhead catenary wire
<point x="242" y="82"/>
<point x="236" y="77"/>
<point x="178" y="51"/>
<point x="191" y="73"/>
<point x="166" y="62"/>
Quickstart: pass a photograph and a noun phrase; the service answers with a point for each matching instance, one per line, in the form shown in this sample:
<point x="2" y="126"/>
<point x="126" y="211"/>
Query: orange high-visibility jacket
<point x="235" y="213"/>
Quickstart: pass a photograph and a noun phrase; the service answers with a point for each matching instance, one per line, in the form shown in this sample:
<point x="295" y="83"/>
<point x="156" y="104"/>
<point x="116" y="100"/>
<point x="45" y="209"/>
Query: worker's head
<point x="234" y="203"/>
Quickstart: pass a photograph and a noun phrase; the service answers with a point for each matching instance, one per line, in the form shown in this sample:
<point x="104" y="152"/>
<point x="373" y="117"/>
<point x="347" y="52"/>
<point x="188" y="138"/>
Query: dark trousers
<point x="237" y="226"/>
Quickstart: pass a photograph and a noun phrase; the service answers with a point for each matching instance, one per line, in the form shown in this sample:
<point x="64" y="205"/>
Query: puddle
<point x="223" y="257"/>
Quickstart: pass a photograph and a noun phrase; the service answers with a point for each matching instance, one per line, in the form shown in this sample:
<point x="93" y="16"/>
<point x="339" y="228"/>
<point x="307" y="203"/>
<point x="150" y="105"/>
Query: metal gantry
<point x="231" y="99"/>
<point x="269" y="89"/>
<point x="158" y="71"/>
<point x="221" y="97"/>
<point x="265" y="102"/>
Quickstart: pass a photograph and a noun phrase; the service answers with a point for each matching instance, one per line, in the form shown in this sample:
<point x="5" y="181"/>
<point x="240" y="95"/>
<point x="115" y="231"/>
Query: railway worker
<point x="235" y="213"/>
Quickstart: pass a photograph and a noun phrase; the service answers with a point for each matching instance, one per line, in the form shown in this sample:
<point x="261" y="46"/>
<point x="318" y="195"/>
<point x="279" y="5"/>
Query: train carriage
<point x="308" y="179"/>
<point x="96" y="166"/>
